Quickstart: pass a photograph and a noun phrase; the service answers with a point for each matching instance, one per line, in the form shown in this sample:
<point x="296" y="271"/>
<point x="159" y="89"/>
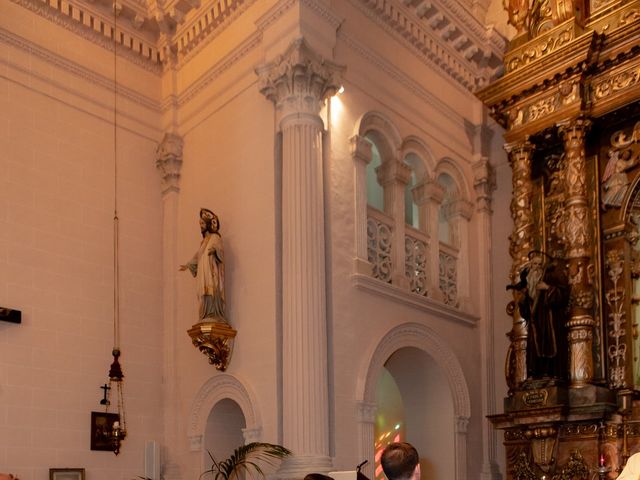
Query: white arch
<point x="425" y="339"/>
<point x="415" y="145"/>
<point x="215" y="389"/>
<point x="386" y="135"/>
<point x="448" y="166"/>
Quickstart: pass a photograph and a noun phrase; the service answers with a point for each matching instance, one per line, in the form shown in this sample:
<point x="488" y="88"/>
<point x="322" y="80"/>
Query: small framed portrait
<point x="101" y="427"/>
<point x="66" y="474"/>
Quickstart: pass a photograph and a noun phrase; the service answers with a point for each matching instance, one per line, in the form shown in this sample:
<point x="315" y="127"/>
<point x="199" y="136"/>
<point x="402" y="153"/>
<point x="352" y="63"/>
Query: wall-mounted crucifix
<point x="105" y="400"/>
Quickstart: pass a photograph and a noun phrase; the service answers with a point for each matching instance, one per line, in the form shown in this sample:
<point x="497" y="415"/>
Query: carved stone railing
<point x="416" y="246"/>
<point x="448" y="280"/>
<point x="379" y="234"/>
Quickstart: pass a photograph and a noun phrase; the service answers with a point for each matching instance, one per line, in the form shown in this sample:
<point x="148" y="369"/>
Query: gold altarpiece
<point x="569" y="101"/>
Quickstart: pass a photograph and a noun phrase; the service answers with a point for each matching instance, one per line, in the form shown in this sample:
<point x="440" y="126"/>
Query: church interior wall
<point x="56" y="264"/>
<point x="229" y="130"/>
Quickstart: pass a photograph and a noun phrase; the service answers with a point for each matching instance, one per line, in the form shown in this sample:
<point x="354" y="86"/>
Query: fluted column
<point x="297" y="83"/>
<point x="428" y="196"/>
<point x="579" y="244"/>
<point x="361" y="154"/>
<point x="394" y="176"/>
<point x="169" y="164"/>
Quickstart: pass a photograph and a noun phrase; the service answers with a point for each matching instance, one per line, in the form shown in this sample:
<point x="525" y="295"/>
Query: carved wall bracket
<point x="215" y="340"/>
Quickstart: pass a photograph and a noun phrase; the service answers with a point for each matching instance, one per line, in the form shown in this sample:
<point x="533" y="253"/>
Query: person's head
<point x="208" y="221"/>
<point x="400" y="461"/>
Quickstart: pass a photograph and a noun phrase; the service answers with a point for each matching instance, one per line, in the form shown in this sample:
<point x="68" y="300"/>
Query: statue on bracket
<point x="212" y="335"/>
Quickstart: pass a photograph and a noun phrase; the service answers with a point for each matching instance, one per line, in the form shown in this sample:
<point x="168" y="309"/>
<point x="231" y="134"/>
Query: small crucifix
<point x="105" y="401"/>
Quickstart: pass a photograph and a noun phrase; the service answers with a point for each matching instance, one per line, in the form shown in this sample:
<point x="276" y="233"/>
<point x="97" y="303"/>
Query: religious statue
<point x="207" y="265"/>
<point x="543" y="304"/>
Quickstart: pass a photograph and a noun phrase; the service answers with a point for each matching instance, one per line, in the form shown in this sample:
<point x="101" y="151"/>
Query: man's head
<point x="400" y="461"/>
<point x="208" y="221"/>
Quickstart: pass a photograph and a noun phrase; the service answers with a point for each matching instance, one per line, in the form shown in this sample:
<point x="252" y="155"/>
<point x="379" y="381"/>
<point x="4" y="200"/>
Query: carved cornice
<point x="445" y="34"/>
<point x="96" y="28"/>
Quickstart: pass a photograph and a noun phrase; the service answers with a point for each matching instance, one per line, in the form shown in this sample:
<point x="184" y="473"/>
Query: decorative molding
<point x="56" y="60"/>
<point x="205" y="27"/>
<point x="216" y="388"/>
<point x="542" y="46"/>
<point x="445" y="34"/>
<point x="69" y="18"/>
<point x="405" y="297"/>
<point x="216" y="70"/>
<point x="615" y="82"/>
<point x="424" y="338"/>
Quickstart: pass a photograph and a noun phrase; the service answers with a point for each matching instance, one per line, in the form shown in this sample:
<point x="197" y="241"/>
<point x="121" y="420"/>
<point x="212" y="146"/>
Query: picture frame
<point x="66" y="474"/>
<point x="101" y="425"/>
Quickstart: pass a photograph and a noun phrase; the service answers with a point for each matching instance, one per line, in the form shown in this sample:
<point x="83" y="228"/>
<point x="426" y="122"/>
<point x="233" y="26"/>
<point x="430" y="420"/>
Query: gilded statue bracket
<point x="215" y="340"/>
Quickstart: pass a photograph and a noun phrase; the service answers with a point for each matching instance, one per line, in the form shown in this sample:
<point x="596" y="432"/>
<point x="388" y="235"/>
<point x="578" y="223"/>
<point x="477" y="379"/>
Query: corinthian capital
<point x="299" y="80"/>
<point x="169" y="161"/>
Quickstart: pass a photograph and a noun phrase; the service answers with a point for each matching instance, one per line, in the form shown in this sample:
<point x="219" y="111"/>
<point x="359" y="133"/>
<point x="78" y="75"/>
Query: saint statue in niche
<point x="207" y="266"/>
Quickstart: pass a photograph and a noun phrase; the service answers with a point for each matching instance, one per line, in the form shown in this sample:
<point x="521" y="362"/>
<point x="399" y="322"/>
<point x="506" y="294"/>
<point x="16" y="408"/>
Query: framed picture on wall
<point x="101" y="427"/>
<point x="66" y="474"/>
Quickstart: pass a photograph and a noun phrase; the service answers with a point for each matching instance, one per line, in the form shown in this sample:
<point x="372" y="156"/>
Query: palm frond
<point x="247" y="458"/>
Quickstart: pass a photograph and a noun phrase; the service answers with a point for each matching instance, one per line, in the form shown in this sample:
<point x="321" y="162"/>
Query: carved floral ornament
<point x="299" y="79"/>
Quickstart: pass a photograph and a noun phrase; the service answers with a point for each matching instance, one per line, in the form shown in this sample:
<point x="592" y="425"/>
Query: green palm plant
<point x="246" y="458"/>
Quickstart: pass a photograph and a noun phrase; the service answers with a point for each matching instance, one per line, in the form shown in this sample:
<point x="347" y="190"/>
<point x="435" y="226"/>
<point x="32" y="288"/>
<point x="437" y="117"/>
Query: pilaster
<point x="169" y="163"/>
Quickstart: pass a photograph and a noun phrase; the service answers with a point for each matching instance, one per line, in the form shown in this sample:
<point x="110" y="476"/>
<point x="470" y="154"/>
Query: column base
<point x="296" y="467"/>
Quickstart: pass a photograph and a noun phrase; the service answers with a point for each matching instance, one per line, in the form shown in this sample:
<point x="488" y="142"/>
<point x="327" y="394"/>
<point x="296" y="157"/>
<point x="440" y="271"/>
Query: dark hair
<point x="399" y="460"/>
<point x="317" y="476"/>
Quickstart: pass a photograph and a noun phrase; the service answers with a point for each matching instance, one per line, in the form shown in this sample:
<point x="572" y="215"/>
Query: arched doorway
<point x="414" y="404"/>
<point x="223" y="432"/>
<point x="442" y="385"/>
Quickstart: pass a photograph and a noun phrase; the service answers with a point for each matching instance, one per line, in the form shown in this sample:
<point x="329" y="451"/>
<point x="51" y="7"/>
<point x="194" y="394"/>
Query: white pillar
<point x="169" y="163"/>
<point x="361" y="153"/>
<point x="366" y="416"/>
<point x="298" y="82"/>
<point x="394" y="175"/>
<point x="459" y="215"/>
<point x="428" y="195"/>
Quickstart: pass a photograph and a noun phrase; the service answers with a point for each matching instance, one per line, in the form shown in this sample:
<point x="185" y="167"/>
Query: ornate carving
<point x="564" y="94"/>
<point x="449" y="278"/>
<point x="575" y="469"/>
<point x="623" y="155"/>
<point x="379" y="236"/>
<point x="299" y="80"/>
<point x="615" y="298"/>
<point x="615" y="82"/>
<point x="522" y="468"/>
<point x="521" y="238"/>
<point x="215" y="340"/>
<point x="416" y="264"/>
<point x="169" y="161"/>
<point x="542" y="46"/>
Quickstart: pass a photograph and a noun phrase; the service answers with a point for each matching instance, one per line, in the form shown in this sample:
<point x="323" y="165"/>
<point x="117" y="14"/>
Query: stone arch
<point x="384" y="132"/>
<point x="415" y="145"/>
<point x="425" y="339"/>
<point x="220" y="387"/>
<point x="448" y="166"/>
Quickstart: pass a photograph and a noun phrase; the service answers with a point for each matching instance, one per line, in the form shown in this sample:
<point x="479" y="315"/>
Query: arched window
<point x="375" y="192"/>
<point x="411" y="216"/>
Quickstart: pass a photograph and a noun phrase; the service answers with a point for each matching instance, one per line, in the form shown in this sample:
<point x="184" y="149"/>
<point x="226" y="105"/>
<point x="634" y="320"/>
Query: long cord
<point x="116" y="270"/>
